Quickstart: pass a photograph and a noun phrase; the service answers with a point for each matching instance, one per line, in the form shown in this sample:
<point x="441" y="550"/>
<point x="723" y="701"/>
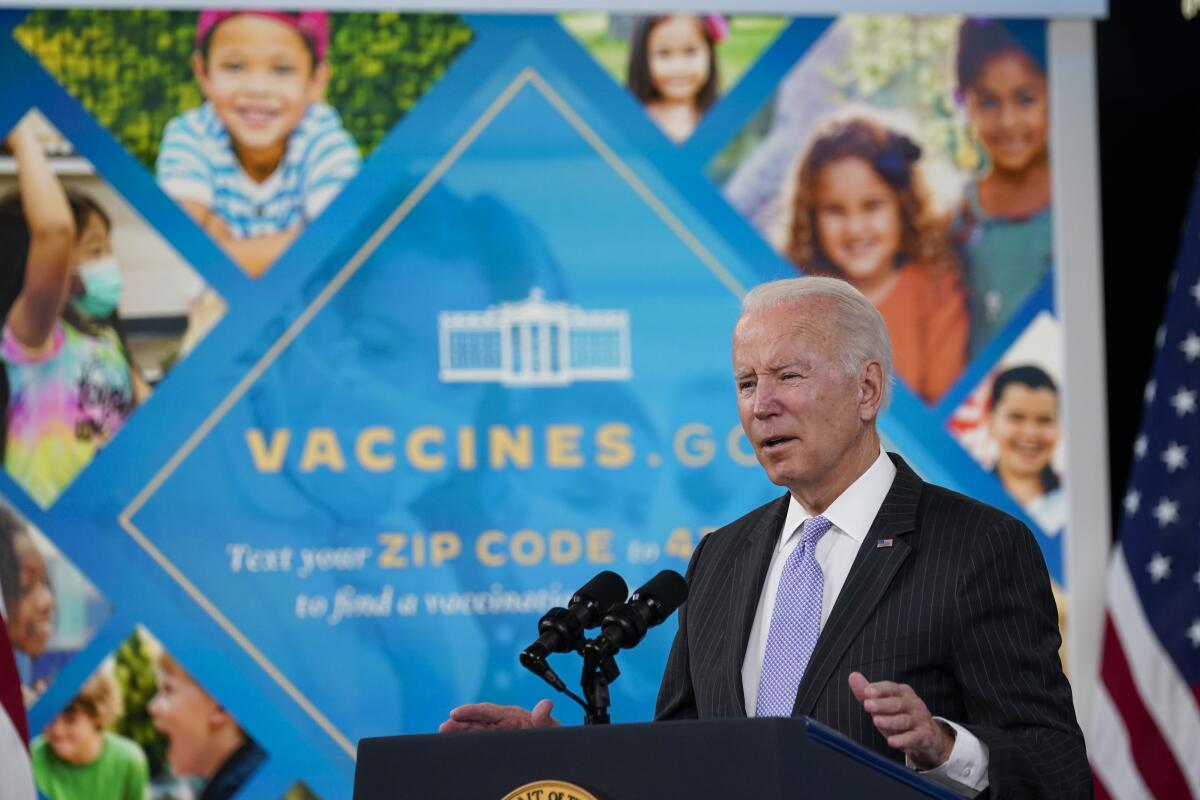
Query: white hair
<point x="864" y="335"/>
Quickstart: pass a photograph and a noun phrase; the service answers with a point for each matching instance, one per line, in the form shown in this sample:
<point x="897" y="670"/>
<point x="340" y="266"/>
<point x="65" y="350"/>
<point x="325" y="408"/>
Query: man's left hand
<point x="902" y="717"/>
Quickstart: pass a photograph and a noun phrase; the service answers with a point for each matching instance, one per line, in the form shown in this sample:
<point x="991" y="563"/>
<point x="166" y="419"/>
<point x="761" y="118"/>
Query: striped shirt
<point x="196" y="163"/>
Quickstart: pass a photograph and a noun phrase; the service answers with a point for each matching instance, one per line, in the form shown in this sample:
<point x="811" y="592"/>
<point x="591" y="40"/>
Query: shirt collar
<point x="853" y="511"/>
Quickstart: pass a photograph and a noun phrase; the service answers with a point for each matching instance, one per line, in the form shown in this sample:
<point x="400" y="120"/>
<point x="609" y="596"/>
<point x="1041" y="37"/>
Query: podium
<point x="760" y="758"/>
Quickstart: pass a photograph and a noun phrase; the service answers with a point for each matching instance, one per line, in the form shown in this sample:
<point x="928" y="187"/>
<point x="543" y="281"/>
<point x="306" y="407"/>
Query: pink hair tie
<point x="312" y="25"/>
<point x="717" y="26"/>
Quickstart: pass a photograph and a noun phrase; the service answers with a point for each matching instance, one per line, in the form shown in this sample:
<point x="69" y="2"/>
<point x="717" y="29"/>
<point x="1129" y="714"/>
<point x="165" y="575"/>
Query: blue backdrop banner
<point x="427" y="321"/>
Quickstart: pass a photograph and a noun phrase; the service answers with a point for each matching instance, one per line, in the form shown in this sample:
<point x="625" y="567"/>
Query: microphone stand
<point x="539" y="667"/>
<point x="599" y="671"/>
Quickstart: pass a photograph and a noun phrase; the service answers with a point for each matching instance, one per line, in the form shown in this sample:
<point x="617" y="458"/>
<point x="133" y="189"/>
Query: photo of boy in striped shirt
<point x="263" y="156"/>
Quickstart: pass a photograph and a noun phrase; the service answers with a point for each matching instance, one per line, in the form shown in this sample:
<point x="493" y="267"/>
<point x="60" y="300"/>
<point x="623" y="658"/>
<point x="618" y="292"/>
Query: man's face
<point x="184" y="713"/>
<point x="800" y="410"/>
<point x="260" y="78"/>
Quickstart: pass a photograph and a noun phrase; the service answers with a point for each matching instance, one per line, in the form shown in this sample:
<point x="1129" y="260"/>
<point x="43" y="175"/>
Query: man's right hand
<point x="491" y="717"/>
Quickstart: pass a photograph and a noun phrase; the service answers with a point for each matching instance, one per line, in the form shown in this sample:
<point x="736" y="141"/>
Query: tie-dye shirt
<point x="63" y="406"/>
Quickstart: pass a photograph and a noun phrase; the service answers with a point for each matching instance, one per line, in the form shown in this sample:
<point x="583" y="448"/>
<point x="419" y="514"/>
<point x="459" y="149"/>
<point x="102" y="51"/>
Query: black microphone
<point x="624" y="626"/>
<point x="562" y="629"/>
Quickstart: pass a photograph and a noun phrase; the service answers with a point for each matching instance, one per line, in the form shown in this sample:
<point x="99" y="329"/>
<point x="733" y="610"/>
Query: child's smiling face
<point x="858" y="219"/>
<point x="75" y="736"/>
<point x="259" y="76"/>
<point x="678" y="57"/>
<point x="1024" y="425"/>
<point x="1008" y="107"/>
<point x="31" y="620"/>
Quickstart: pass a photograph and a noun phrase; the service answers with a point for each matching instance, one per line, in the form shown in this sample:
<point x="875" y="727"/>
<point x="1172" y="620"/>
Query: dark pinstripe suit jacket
<point x="959" y="608"/>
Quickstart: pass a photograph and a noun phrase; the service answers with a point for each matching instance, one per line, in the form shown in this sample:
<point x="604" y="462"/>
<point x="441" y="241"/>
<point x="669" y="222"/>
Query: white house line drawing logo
<point x="534" y="342"/>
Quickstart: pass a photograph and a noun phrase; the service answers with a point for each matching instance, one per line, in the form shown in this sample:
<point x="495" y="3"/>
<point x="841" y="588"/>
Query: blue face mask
<point x="102" y="285"/>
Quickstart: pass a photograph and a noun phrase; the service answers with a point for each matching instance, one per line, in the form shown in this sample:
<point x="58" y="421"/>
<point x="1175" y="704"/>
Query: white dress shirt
<point x="851" y="514"/>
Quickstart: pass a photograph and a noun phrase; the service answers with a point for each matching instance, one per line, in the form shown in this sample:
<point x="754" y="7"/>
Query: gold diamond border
<point x="527" y="76"/>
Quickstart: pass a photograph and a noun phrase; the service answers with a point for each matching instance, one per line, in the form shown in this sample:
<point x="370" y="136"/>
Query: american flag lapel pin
<point x="881" y="543"/>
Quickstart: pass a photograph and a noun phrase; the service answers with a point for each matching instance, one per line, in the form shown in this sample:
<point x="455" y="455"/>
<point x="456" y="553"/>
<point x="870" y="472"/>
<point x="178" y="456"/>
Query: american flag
<point x="1145" y="738"/>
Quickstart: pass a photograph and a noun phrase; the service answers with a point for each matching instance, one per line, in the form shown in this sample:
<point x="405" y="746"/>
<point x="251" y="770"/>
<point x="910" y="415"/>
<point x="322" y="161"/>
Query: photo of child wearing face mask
<point x="71" y="385"/>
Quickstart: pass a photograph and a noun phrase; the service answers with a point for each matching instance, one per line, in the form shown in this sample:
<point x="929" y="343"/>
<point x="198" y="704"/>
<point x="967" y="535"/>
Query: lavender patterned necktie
<point x="795" y="624"/>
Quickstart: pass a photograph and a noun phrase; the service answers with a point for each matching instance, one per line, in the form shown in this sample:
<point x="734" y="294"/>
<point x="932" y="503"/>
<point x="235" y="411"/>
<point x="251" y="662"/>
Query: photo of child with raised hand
<point x="673" y="68"/>
<point x="76" y="757"/>
<point x="71" y="383"/>
<point x="263" y="156"/>
<point x="862" y="213"/>
<point x="1003" y="229"/>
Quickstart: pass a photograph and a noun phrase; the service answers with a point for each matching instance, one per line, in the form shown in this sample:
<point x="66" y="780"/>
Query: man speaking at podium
<point x="914" y="620"/>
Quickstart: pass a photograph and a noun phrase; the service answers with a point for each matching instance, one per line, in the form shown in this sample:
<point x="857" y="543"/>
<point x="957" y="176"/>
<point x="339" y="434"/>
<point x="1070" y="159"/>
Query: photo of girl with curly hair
<point x="862" y="213"/>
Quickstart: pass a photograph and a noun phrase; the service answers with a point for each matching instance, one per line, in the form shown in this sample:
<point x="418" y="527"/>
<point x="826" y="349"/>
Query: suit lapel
<point x="750" y="564"/>
<point x="871" y="574"/>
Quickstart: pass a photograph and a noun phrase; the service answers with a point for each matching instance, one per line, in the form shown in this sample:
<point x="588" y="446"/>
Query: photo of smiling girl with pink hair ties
<point x="673" y="68"/>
